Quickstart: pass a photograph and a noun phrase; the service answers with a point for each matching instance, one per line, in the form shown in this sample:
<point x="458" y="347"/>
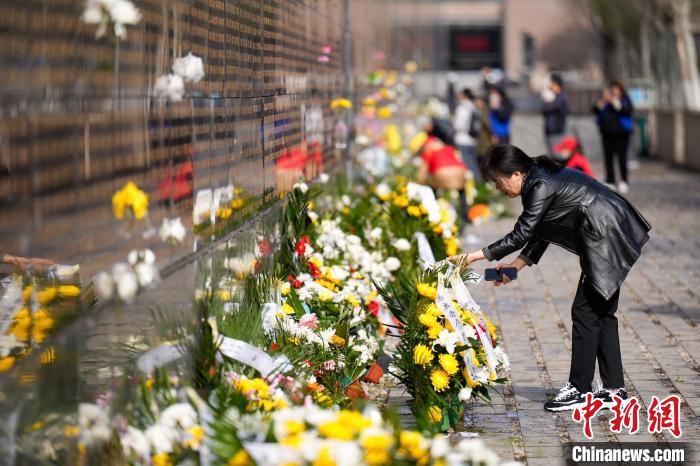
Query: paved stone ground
<point x="658" y="315"/>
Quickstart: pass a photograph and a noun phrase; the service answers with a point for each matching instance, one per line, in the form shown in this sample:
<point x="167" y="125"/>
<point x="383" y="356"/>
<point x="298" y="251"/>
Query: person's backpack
<point x="474" y="124"/>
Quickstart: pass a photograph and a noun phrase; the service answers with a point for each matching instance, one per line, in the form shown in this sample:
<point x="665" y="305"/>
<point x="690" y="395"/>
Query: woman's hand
<point x="517" y="263"/>
<point x="471" y="257"/>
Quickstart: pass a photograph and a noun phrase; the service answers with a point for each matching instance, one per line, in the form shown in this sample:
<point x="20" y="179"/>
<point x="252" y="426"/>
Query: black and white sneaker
<point x="606" y="396"/>
<point x="568" y="398"/>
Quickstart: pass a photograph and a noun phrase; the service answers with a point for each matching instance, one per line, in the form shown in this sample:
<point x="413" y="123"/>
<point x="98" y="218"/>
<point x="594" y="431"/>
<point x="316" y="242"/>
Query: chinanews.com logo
<point x="660" y="416"/>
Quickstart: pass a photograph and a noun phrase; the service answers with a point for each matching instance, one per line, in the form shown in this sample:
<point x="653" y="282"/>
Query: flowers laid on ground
<point x="130" y="202"/>
<point x="281" y="361"/>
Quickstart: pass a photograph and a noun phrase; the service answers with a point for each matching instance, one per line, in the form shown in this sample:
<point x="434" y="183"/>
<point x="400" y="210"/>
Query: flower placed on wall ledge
<point x="132" y="197"/>
<point x="172" y="230"/>
<point x="106" y="12"/>
<point x="189" y="68"/>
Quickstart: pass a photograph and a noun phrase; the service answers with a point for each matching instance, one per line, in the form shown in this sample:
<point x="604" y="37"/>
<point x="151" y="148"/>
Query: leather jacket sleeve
<point x="536" y="201"/>
<point x="533" y="251"/>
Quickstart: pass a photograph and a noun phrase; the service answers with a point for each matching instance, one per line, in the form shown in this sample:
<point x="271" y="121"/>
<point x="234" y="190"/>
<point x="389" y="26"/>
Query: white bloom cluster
<point x="171" y="428"/>
<point x="172" y="230"/>
<point x="364" y="344"/>
<point x="94" y="424"/>
<point x="104" y="12"/>
<point x="126" y="278"/>
<point x="189" y="68"/>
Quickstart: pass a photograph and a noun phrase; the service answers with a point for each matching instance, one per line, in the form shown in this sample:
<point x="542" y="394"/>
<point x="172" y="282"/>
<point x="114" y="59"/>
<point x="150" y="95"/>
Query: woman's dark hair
<point x="616" y="83"/>
<point x="502" y="160"/>
<point x="468" y="93"/>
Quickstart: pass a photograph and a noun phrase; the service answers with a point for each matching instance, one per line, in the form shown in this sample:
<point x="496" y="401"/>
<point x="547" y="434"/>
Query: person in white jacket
<point x="466" y="122"/>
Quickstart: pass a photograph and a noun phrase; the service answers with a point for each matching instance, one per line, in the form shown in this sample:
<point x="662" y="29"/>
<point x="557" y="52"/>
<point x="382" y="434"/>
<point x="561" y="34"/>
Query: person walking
<point x="485" y="138"/>
<point x="500" y="111"/>
<point x="565" y="207"/>
<point x="614" y="117"/>
<point x="467" y="127"/>
<point x="555" y="110"/>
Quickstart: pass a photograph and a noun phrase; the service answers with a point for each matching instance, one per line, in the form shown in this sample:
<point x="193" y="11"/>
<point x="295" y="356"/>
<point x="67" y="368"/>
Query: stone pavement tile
<point x="555" y="461"/>
<point x="539" y="451"/>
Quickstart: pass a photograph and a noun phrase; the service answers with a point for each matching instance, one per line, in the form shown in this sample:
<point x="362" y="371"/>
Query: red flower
<point x="303" y="242"/>
<point x="295" y="283"/>
<point x="265" y="247"/>
<point x="274" y="346"/>
<point x="374" y="308"/>
<point x="314" y="270"/>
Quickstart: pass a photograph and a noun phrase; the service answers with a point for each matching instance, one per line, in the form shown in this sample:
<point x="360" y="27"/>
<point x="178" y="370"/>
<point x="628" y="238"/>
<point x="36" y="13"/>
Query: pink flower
<point x="327" y="49"/>
<point x="328" y="365"/>
<point x="309" y="321"/>
<point x="323" y="59"/>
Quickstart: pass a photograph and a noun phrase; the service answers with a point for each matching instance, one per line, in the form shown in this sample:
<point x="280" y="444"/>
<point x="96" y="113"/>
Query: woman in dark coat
<point x="614" y="117"/>
<point x="565" y="207"/>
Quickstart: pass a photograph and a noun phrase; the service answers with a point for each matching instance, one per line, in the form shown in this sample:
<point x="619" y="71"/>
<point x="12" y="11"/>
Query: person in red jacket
<point x="568" y="152"/>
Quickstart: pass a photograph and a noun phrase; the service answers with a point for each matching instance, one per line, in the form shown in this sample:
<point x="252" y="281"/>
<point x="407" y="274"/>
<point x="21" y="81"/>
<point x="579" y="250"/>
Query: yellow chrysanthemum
<point x="161" y="459"/>
<point x="440" y="379"/>
<point x="354" y="419"/>
<point x="47" y="295"/>
<point x="427" y="290"/>
<point x="287" y="309"/>
<point x="352" y="300"/>
<point x="336" y="430"/>
<point x="337" y="341"/>
<point x="434" y="331"/>
<point x="414" y="211"/>
<point x="401" y="201"/>
<point x="341" y="103"/>
<point x="42" y="320"/>
<point x="237" y="203"/>
<point x="196" y="435"/>
<point x="293" y="426"/>
<point x="27" y="294"/>
<point x="285" y="288"/>
<point x="324" y="458"/>
<point x="437" y="229"/>
<point x="377" y="449"/>
<point x="428" y="320"/>
<point x="6" y="363"/>
<point x="422" y="355"/>
<point x="241" y="458"/>
<point x="71" y="431"/>
<point x="68" y="291"/>
<point x="130" y="196"/>
<point x="449" y="363"/>
<point x="434" y="414"/>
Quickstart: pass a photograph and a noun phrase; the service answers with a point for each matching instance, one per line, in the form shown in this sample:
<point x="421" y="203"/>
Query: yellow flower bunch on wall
<point x="132" y="197"/>
<point x="341" y="103"/>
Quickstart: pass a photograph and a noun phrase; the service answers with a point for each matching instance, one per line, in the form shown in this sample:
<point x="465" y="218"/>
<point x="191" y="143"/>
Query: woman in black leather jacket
<point x="568" y="208"/>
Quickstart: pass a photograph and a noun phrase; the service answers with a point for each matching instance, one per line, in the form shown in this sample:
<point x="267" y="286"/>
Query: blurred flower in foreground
<point x="341" y="103"/>
<point x="189" y="67"/>
<point x="104" y="12"/>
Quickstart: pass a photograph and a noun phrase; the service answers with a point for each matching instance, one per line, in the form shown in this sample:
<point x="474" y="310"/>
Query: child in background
<point x="568" y="152"/>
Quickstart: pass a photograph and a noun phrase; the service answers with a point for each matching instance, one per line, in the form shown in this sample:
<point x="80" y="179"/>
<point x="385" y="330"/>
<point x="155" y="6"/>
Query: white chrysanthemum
<point x="172" y="230"/>
<point x="7" y="344"/>
<point x="313" y="215"/>
<point x="134" y="442"/>
<point x="180" y="415"/>
<point x="189" y="67"/>
<point x="345" y="199"/>
<point x="94" y="424"/>
<point x="434" y="217"/>
<point x="392" y="264"/>
<point x="301" y="186"/>
<point x="383" y="190"/>
<point x="323" y="178"/>
<point x="170" y="86"/>
<point x="402" y="244"/>
<point x="127" y="285"/>
<point x="440" y="447"/>
<point x="161" y="438"/>
<point x="476" y="452"/>
<point x="104" y="286"/>
<point x="147" y="274"/>
<point x="465" y="394"/>
<point x="119" y="12"/>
